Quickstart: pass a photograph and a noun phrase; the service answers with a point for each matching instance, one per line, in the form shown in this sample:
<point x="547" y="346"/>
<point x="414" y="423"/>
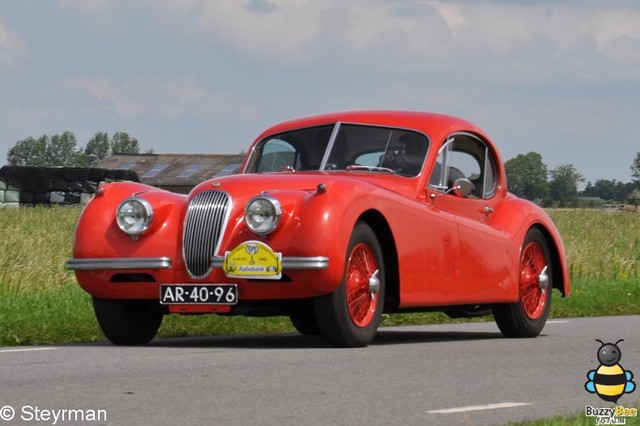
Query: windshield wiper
<point x="370" y="169"/>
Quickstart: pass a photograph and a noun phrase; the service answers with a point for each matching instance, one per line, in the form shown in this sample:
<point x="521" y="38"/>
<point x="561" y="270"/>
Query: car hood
<point x="253" y="183"/>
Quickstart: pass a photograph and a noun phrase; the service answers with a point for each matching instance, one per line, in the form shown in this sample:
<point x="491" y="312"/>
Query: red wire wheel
<point x="361" y="305"/>
<point x="532" y="296"/>
<point x="527" y="317"/>
<point x="351" y="314"/>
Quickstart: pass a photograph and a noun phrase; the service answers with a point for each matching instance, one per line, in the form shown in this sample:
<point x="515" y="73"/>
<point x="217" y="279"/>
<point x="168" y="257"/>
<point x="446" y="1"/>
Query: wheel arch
<point x="381" y="228"/>
<point x="560" y="278"/>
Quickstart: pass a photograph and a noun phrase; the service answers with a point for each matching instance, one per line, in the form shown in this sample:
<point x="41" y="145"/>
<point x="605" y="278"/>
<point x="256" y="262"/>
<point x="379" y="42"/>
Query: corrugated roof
<point x="175" y="170"/>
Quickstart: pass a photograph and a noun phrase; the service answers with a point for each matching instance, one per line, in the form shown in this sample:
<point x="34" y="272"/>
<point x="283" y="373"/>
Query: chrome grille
<point x="204" y="226"/>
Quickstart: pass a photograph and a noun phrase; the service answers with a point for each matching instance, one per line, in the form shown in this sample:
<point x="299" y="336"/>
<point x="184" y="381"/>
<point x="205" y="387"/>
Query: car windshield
<point x="347" y="147"/>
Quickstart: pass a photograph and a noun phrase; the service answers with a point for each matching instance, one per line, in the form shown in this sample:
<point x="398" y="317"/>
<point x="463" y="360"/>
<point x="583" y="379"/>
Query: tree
<point x="609" y="190"/>
<point x="635" y="169"/>
<point x="61" y="150"/>
<point x="527" y="176"/>
<point x="122" y="143"/>
<point x="29" y="152"/>
<point x="97" y="149"/>
<point x="564" y="182"/>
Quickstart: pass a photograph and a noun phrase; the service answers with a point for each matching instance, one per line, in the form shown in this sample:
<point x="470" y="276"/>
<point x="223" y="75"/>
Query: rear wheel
<point x="528" y="317"/>
<point x="128" y="322"/>
<point x="350" y="316"/>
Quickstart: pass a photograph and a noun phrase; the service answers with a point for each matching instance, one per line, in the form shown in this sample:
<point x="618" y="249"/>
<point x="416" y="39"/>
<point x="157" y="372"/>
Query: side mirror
<point x="462" y="187"/>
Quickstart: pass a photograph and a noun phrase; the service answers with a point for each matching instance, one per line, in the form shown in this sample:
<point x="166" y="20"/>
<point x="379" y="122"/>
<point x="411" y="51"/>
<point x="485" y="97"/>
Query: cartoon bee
<point x="609" y="381"/>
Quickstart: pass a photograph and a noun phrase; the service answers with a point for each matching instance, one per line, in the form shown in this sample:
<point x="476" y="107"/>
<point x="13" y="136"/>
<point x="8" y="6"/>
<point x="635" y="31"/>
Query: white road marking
<point x="557" y="321"/>
<point x="27" y="350"/>
<point x="479" y="407"/>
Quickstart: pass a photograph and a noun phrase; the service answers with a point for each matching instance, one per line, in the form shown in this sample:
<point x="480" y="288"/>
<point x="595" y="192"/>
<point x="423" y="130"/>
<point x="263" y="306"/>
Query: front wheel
<point x="128" y="322"/>
<point x="527" y="317"/>
<point x="305" y="324"/>
<point x="350" y="316"/>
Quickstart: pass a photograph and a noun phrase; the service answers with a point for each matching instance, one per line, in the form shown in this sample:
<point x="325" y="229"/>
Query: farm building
<point x="175" y="172"/>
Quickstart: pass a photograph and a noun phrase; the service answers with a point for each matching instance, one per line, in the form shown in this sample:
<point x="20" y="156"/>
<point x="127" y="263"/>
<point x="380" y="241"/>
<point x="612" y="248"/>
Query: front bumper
<point x="88" y="264"/>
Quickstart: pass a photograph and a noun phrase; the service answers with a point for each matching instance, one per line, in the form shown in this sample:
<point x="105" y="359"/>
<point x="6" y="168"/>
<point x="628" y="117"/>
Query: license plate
<point x="200" y="294"/>
<point x="253" y="259"/>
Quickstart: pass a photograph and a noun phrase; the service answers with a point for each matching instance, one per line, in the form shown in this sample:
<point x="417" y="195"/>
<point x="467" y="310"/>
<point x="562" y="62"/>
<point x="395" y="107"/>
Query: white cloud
<point x="163" y="97"/>
<point x="13" y="50"/>
<point x="415" y="36"/>
<point x="257" y="27"/>
<point x="88" y="6"/>
<point x="419" y="35"/>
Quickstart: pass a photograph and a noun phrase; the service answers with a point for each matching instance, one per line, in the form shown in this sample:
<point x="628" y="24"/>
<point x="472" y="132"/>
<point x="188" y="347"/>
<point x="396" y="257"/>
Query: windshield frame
<point x="351" y="147"/>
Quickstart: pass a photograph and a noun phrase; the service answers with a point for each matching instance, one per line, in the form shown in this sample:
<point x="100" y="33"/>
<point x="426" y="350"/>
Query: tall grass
<point x="600" y="246"/>
<point x="603" y="256"/>
<point x="40" y="301"/>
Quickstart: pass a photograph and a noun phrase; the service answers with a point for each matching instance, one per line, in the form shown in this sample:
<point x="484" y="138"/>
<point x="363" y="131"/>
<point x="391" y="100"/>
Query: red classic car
<point x="335" y="219"/>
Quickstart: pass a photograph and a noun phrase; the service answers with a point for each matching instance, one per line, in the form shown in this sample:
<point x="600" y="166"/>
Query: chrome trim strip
<point x="332" y="139"/>
<point x="119" y="263"/>
<point x="316" y="262"/>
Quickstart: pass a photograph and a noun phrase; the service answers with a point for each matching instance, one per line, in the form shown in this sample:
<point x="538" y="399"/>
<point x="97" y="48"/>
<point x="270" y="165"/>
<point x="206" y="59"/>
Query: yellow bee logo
<point x="610" y="381"/>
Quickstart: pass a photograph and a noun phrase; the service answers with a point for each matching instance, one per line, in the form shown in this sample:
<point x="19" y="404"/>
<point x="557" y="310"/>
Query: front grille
<point x="205" y="222"/>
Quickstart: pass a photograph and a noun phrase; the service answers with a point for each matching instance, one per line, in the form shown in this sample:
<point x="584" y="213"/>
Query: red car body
<point x="346" y="187"/>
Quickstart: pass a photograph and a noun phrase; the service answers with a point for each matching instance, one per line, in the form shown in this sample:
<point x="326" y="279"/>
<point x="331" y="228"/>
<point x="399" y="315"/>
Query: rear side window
<point x="465" y="156"/>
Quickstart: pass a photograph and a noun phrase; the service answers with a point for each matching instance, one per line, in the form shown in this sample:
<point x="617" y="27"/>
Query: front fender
<point x="97" y="234"/>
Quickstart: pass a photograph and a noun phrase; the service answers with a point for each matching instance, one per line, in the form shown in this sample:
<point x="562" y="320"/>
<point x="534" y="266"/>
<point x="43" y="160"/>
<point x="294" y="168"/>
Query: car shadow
<point x="397" y="337"/>
<point x="297" y="341"/>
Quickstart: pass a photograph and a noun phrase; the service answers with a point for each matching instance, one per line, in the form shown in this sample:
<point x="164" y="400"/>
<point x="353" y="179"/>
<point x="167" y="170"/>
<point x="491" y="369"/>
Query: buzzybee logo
<point x="610" y="381"/>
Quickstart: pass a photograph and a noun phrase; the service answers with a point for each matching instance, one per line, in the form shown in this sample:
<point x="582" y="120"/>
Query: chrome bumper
<point x="119" y="263"/>
<point x="317" y="262"/>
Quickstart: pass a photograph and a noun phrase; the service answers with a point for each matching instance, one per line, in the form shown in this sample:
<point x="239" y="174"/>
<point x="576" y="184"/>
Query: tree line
<point x="60" y="150"/>
<point x="528" y="177"/>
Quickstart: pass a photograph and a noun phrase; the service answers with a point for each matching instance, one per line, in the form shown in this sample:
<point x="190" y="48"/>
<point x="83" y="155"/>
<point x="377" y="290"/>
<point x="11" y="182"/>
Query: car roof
<point x="432" y="124"/>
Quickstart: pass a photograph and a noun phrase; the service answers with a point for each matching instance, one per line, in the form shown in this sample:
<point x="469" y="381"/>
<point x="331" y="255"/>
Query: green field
<point x="40" y="301"/>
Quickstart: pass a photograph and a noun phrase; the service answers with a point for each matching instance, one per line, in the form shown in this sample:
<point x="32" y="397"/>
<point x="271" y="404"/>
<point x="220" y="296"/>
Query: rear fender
<point x="533" y="216"/>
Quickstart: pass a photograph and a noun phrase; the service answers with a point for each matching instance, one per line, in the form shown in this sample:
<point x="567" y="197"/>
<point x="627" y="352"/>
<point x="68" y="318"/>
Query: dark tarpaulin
<point x="36" y="183"/>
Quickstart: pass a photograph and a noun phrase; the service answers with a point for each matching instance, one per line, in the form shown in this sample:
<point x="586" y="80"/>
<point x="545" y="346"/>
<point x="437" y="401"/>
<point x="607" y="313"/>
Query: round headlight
<point x="134" y="215"/>
<point x="262" y="214"/>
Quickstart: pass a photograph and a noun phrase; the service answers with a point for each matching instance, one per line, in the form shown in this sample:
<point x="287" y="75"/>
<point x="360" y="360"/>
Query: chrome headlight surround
<point x="134" y="216"/>
<point x="262" y="214"/>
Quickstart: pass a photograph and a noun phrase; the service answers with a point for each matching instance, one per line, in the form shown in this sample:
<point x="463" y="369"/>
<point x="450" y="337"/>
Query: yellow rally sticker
<point x="253" y="259"/>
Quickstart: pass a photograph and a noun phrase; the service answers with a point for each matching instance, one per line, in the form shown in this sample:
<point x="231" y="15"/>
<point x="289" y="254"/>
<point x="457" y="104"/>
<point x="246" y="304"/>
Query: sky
<point x="560" y="78"/>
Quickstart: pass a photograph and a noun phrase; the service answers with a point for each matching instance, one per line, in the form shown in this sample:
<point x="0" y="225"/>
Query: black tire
<point x="128" y="322"/>
<point x="528" y="316"/>
<point x="306" y="324"/>
<point x="340" y="322"/>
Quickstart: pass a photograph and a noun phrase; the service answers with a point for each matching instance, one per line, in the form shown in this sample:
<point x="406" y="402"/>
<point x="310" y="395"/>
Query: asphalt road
<point x="464" y="374"/>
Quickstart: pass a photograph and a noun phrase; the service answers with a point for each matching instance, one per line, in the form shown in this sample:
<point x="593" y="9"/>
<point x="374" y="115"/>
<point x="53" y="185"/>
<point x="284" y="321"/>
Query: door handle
<point x="487" y="210"/>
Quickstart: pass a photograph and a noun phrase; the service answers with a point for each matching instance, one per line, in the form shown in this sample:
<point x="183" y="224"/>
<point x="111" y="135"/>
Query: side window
<point x="465" y="156"/>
